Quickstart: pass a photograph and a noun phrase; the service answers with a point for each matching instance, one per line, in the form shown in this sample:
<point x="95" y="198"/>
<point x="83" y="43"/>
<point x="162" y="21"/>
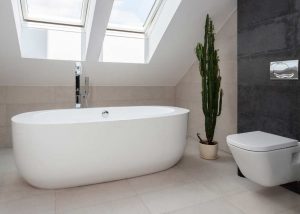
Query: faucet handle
<point x="78" y="68"/>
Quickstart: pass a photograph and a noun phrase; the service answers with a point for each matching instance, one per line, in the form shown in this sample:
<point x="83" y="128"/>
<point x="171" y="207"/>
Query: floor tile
<point x="44" y="203"/>
<point x="225" y="185"/>
<point x="14" y="188"/>
<point x="212" y="207"/>
<point x="177" y="197"/>
<point x="294" y="210"/>
<point x="157" y="181"/>
<point x="92" y="195"/>
<point x="99" y="209"/>
<point x="265" y="201"/>
<point x="133" y="205"/>
<point x="129" y="206"/>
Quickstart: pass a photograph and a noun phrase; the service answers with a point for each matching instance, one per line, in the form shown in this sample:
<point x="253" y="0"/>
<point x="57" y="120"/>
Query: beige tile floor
<point x="192" y="186"/>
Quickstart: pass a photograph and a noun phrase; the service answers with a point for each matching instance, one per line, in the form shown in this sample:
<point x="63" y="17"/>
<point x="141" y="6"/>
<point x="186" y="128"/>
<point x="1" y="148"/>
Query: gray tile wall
<point x="268" y="30"/>
<point x="18" y="99"/>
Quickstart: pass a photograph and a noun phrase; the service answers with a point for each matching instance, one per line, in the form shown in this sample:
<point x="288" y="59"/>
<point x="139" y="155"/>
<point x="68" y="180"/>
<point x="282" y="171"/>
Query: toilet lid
<point x="260" y="141"/>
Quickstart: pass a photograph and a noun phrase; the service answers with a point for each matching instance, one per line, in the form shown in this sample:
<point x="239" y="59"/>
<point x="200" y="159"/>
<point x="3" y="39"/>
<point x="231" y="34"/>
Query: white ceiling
<point x="173" y="56"/>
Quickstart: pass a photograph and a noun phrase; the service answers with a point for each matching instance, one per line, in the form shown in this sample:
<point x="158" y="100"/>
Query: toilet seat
<point x="259" y="141"/>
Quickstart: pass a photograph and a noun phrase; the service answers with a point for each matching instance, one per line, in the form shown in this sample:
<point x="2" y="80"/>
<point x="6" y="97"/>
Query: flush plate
<point x="284" y="70"/>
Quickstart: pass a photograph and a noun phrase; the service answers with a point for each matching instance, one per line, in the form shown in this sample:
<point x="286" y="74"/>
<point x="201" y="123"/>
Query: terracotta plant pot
<point x="209" y="152"/>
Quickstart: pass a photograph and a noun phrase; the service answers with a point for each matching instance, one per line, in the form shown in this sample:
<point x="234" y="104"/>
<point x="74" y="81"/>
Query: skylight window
<point x="63" y="12"/>
<point x="133" y="15"/>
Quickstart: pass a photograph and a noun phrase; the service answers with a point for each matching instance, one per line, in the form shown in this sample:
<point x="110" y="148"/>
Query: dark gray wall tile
<point x="263" y="38"/>
<point x="253" y="12"/>
<point x="268" y="31"/>
<point x="297" y="6"/>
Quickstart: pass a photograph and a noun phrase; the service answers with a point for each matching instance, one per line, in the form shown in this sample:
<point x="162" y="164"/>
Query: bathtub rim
<point x="24" y="118"/>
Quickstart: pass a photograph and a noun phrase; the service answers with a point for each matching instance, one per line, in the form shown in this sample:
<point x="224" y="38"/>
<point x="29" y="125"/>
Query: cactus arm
<point x="220" y="103"/>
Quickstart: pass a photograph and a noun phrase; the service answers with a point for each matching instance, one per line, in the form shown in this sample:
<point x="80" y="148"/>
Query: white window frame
<point x="153" y="12"/>
<point x="46" y="21"/>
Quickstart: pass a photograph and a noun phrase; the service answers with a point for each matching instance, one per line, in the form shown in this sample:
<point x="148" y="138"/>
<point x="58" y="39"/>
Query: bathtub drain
<point x="105" y="114"/>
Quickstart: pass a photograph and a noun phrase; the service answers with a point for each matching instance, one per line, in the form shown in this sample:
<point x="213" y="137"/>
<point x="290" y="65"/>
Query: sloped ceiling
<point x="173" y="57"/>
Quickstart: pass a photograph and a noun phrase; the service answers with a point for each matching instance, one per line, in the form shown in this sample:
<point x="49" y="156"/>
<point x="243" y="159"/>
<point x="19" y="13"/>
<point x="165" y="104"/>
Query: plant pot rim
<point x="214" y="143"/>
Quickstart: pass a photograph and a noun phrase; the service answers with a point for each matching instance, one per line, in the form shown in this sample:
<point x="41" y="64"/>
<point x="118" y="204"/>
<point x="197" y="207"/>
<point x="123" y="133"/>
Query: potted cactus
<point x="211" y="91"/>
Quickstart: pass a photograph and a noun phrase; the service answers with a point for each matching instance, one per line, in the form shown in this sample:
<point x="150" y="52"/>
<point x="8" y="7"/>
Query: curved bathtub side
<point x="67" y="155"/>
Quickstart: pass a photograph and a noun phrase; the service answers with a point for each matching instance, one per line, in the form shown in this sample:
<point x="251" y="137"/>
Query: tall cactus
<point x="211" y="81"/>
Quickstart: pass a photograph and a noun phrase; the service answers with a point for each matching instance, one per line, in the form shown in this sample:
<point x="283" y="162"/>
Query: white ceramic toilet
<point x="266" y="159"/>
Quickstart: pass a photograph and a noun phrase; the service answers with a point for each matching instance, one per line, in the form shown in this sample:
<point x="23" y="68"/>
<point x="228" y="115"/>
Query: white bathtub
<point x="73" y="147"/>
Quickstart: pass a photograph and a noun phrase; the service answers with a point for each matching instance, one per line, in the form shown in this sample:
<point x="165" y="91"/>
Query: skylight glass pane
<point x="55" y="11"/>
<point x="130" y="15"/>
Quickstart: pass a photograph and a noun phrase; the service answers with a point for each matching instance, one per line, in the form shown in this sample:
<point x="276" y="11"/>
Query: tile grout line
<point x="229" y="202"/>
<point x="145" y="205"/>
<point x="193" y="182"/>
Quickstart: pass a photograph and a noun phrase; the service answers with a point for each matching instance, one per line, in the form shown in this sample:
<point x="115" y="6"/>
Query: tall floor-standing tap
<point x="81" y="93"/>
<point x="78" y="71"/>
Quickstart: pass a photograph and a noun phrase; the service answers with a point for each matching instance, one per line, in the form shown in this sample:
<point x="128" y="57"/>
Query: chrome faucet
<point x="78" y="70"/>
<point x="81" y="94"/>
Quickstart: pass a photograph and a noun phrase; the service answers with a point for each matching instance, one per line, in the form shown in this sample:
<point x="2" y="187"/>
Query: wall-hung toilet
<point x="266" y="159"/>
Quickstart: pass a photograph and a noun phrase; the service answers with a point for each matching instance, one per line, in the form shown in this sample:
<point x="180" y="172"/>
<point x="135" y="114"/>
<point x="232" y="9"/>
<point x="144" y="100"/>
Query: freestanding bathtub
<point x="74" y="147"/>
